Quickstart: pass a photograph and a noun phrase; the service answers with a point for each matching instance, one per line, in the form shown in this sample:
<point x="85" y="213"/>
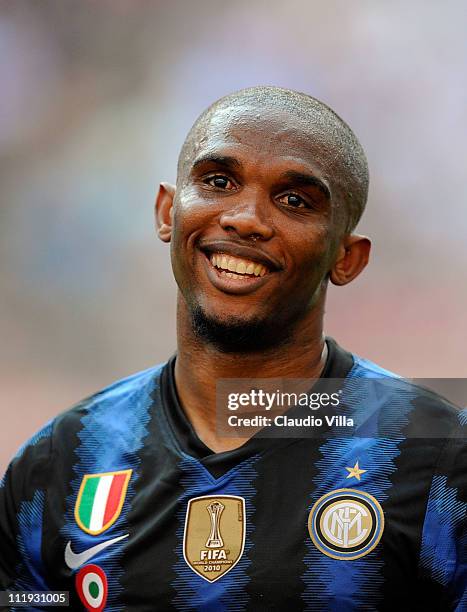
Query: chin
<point x="231" y="333"/>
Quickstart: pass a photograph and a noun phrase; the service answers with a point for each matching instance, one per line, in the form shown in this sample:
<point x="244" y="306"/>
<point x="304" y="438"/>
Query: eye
<point x="293" y="200"/>
<point x="219" y="181"/>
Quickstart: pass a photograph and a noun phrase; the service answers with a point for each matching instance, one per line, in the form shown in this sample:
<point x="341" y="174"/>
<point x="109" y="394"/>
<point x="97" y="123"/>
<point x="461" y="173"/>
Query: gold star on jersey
<point x="355" y="471"/>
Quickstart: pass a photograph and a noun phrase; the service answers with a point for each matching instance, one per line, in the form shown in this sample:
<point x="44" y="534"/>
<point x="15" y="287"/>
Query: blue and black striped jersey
<point x="120" y="503"/>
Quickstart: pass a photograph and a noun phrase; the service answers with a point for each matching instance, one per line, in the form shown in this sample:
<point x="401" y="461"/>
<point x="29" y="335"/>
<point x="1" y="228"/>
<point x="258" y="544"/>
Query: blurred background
<point x="96" y="98"/>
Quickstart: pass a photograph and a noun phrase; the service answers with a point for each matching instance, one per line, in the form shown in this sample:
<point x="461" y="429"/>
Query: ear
<point x="353" y="255"/>
<point x="163" y="211"/>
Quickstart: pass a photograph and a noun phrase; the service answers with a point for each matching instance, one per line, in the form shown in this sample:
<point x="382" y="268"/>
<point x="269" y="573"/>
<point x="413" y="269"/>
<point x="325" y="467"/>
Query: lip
<point x="235" y="286"/>
<point x="239" y="250"/>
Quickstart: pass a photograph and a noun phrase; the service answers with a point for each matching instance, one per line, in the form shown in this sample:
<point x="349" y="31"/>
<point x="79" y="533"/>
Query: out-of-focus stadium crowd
<point x="96" y="100"/>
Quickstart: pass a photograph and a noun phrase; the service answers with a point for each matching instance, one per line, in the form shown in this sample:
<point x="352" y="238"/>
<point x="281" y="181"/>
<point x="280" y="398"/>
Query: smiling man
<point x="134" y="499"/>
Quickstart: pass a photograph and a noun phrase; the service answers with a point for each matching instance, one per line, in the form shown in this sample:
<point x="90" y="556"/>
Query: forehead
<point x="266" y="133"/>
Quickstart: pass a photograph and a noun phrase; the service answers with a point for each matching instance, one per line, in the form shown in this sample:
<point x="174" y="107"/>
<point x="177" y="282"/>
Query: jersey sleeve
<point x="443" y="553"/>
<point x="23" y="490"/>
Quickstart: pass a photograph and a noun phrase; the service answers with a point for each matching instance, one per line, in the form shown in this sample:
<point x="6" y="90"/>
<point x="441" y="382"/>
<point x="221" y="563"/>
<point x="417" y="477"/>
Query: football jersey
<point x="120" y="503"/>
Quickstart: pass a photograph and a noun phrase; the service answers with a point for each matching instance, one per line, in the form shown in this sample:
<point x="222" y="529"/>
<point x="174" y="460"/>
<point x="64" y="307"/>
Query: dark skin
<point x="258" y="186"/>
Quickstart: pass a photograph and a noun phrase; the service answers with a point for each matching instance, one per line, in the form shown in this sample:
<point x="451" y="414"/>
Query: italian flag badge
<point x="91" y="584"/>
<point x="100" y="500"/>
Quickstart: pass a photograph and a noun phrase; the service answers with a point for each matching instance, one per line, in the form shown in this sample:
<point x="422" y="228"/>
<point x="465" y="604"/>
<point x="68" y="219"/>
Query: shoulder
<point x="114" y="400"/>
<point x="112" y="411"/>
<point x="425" y="412"/>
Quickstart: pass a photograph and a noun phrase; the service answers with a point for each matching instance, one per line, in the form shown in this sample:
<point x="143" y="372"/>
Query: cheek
<point x="191" y="216"/>
<point x="190" y="220"/>
<point x="312" y="253"/>
<point x="190" y="201"/>
<point x="183" y="230"/>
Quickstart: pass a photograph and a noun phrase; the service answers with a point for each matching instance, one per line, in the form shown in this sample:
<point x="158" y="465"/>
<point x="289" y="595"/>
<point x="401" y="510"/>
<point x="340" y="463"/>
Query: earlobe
<point x="163" y="211"/>
<point x="353" y="255"/>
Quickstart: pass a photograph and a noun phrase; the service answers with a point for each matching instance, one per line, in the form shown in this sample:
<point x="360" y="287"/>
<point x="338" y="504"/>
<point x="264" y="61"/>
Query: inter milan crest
<point x="346" y="524"/>
<point x="91" y="584"/>
<point x="100" y="500"/>
<point x="214" y="536"/>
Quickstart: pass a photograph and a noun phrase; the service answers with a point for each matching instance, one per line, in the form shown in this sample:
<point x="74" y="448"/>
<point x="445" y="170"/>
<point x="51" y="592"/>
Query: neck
<point x="303" y="356"/>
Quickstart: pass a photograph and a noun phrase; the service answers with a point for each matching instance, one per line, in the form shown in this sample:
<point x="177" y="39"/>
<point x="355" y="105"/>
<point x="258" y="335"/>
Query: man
<point x="134" y="500"/>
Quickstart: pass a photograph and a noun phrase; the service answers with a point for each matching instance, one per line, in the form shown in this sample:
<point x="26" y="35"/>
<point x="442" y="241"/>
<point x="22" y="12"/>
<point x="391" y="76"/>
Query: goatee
<point x="235" y="335"/>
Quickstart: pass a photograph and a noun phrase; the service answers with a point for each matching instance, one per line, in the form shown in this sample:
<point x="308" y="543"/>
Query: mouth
<point x="237" y="269"/>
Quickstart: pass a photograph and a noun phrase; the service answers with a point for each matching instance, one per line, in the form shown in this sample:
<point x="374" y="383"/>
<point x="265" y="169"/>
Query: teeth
<point x="232" y="264"/>
<point x="235" y="266"/>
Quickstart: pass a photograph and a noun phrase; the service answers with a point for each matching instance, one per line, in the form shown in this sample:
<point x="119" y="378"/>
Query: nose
<point x="248" y="219"/>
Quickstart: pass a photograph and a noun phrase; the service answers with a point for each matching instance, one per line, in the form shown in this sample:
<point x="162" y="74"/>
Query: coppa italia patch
<point x="100" y="500"/>
<point x="91" y="584"/>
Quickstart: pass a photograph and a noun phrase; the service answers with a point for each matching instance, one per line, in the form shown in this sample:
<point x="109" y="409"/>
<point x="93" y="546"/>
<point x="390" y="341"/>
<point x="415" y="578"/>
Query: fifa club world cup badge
<point x="346" y="524"/>
<point x="214" y="536"/>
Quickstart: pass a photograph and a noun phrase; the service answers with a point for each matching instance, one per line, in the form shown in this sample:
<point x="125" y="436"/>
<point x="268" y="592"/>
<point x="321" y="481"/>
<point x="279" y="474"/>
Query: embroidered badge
<point x="214" y="536"/>
<point x="91" y="584"/>
<point x="100" y="500"/>
<point x="346" y="524"/>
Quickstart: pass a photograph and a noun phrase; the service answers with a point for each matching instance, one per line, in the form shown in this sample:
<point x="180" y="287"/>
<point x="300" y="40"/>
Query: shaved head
<point x="339" y="150"/>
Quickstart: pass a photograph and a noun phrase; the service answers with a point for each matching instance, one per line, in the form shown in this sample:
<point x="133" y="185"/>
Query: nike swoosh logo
<point x="74" y="560"/>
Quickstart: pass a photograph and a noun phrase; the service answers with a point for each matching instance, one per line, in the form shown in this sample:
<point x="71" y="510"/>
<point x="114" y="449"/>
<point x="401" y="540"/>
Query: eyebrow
<point x="225" y="161"/>
<point x="305" y="180"/>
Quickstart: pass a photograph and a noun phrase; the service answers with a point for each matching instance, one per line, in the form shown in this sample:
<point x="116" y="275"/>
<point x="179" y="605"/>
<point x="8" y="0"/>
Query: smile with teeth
<point x="237" y="267"/>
